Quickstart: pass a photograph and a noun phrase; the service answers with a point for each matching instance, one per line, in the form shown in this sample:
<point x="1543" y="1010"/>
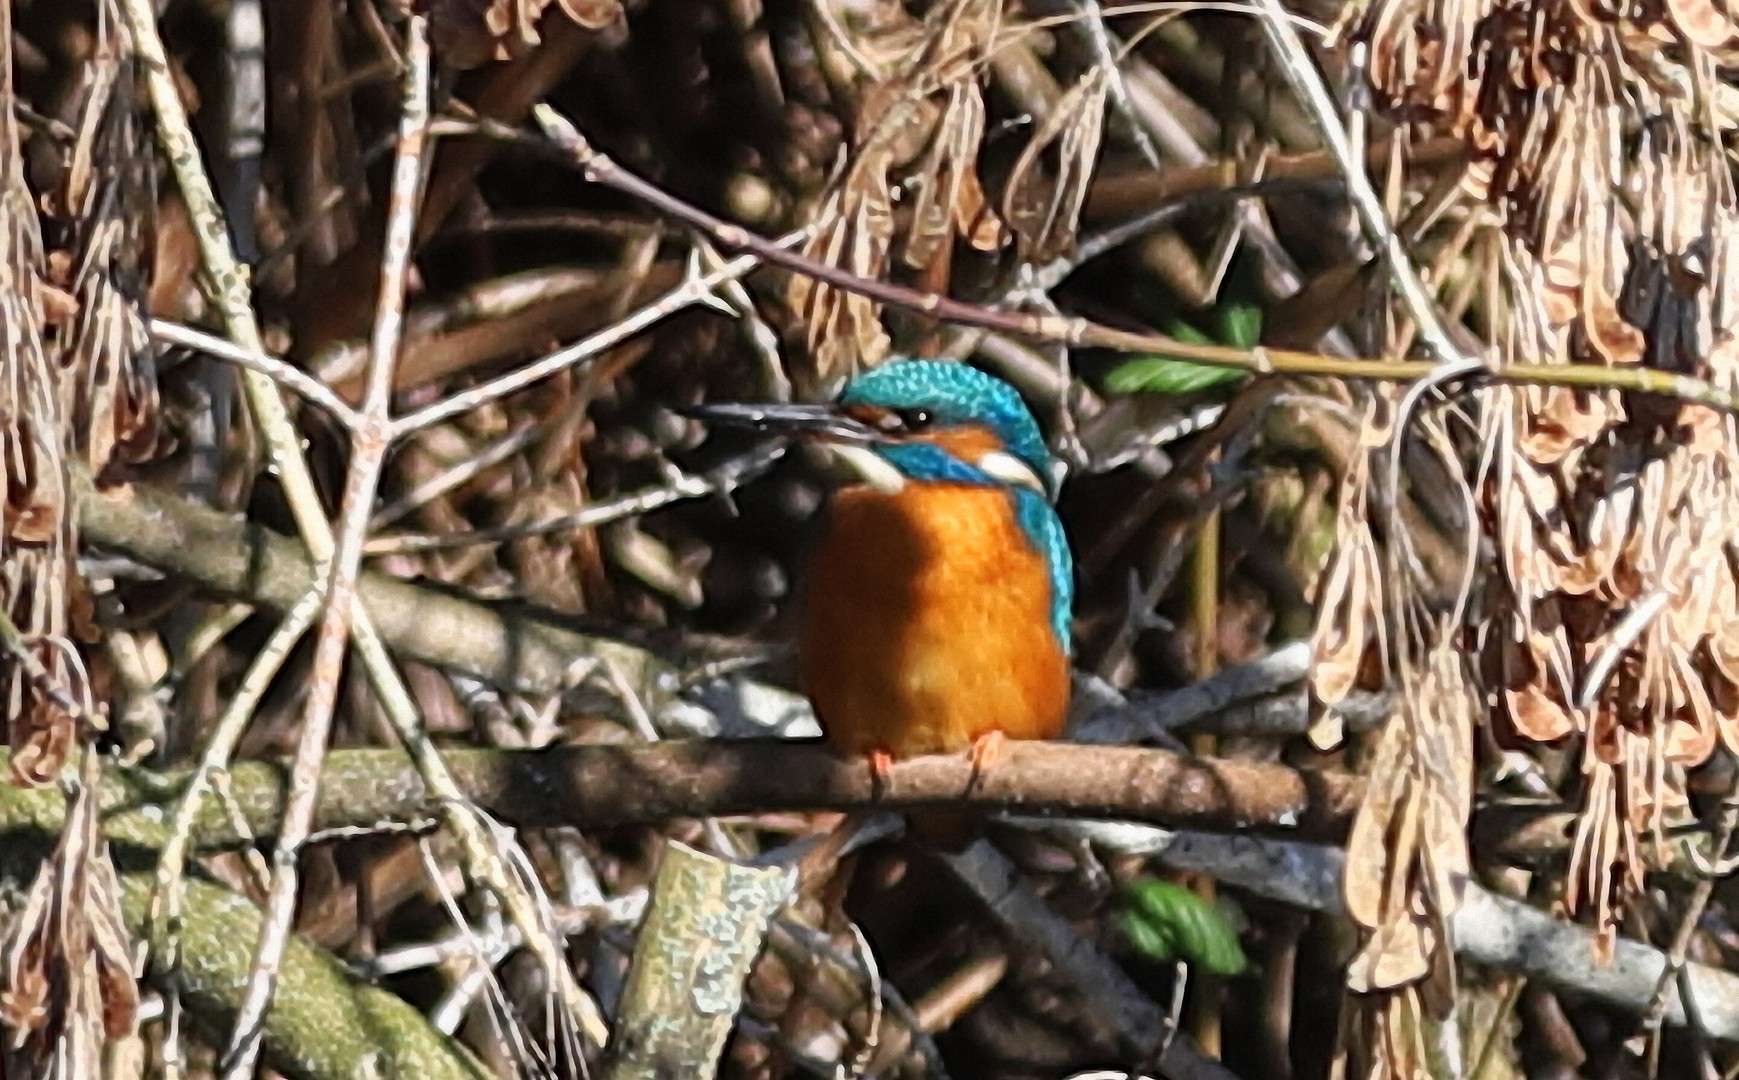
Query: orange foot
<point x="987" y="752"/>
<point x="881" y="764"/>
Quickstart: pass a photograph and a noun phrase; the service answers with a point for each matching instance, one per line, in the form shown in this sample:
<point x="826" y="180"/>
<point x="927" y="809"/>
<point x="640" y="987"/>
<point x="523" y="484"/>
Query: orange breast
<point x="927" y="624"/>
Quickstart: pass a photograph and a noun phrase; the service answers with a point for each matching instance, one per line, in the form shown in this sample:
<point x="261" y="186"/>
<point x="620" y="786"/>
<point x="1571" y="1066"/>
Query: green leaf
<point x="1148" y="939"/>
<point x="1154" y="374"/>
<point x="1164" y="920"/>
<point x="1240" y="324"/>
<point x="1184" y="331"/>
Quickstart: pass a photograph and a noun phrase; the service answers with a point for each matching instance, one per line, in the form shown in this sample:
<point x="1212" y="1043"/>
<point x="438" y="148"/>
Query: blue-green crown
<point x="959" y="394"/>
<point x="956" y="394"/>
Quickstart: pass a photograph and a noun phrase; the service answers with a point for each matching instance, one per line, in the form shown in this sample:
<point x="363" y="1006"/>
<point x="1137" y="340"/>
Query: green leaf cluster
<point x="1166" y="921"/>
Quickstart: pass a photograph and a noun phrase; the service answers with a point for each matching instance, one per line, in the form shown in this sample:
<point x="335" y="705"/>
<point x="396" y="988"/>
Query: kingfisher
<point x="936" y="606"/>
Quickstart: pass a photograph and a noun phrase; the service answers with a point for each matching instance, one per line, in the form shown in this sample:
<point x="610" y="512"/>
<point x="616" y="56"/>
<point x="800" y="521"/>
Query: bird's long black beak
<point x="823" y="422"/>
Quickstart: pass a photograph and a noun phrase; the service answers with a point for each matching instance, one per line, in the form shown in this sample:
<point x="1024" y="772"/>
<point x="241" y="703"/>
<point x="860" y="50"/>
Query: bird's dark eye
<point x="914" y="419"/>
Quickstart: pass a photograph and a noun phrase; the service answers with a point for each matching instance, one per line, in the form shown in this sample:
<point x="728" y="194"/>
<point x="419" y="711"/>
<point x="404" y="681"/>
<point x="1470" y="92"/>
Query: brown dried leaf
<point x="1726" y="696"/>
<point x="1613" y="339"/>
<point x="1723" y="642"/>
<point x="109" y="361"/>
<point x="1595" y="852"/>
<point x="36" y="531"/>
<point x="1536" y="716"/>
<point x="473" y="32"/>
<point x="1446" y="712"/>
<point x="1691" y="732"/>
<point x="67" y="985"/>
<point x="1396" y="954"/>
<point x="35" y="497"/>
<point x="1702" y="22"/>
<point x="42" y="737"/>
<point x="1399" y="949"/>
<point x="109" y="384"/>
<point x="1044" y="209"/>
<point x="948" y="197"/>
<point x="1596" y="501"/>
<point x="1368" y="899"/>
<point x="955" y="39"/>
<point x="1564" y="420"/>
<point x="1350" y="594"/>
<point x="923" y="106"/>
<point x="844" y="329"/>
<point x="592" y="14"/>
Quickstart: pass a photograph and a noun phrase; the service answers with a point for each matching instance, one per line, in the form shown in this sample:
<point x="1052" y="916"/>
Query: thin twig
<point x="691" y="291"/>
<point x="164" y="922"/>
<point x="284" y="449"/>
<point x="873" y="996"/>
<point x="284" y="374"/>
<point x="231" y="296"/>
<point x="369" y="442"/>
<point x="762" y="339"/>
<point x="1099" y="40"/>
<point x="1678" y="950"/>
<point x="1301" y="72"/>
<point x="231" y="293"/>
<point x="1078" y="332"/>
<point x="724" y="478"/>
<point x="453" y="476"/>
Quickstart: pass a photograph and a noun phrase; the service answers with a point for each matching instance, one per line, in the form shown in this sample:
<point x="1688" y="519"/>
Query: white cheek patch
<point x="876" y="471"/>
<point x="1011" y="470"/>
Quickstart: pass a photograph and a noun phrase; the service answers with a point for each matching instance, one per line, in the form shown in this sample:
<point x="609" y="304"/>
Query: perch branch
<point x="527" y="651"/>
<point x="600" y="786"/>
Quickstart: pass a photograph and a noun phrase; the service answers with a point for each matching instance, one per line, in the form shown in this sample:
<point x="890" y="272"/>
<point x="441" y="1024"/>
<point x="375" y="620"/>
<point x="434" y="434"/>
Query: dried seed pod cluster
<point x="1596" y="136"/>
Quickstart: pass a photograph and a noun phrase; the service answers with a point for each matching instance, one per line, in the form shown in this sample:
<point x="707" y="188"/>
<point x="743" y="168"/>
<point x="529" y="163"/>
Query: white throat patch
<point x="876" y="471"/>
<point x="1012" y="470"/>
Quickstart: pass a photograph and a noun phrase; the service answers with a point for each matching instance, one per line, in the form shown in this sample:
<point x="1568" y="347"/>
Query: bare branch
<point x="601" y="169"/>
<point x="691" y="291"/>
<point x="289" y="377"/>
<point x="723" y="479"/>
<point x="369" y="443"/>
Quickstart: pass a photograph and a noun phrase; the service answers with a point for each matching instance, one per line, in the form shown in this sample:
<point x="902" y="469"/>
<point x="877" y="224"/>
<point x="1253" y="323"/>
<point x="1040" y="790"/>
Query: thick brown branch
<point x="691" y="778"/>
<point x="227" y="555"/>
